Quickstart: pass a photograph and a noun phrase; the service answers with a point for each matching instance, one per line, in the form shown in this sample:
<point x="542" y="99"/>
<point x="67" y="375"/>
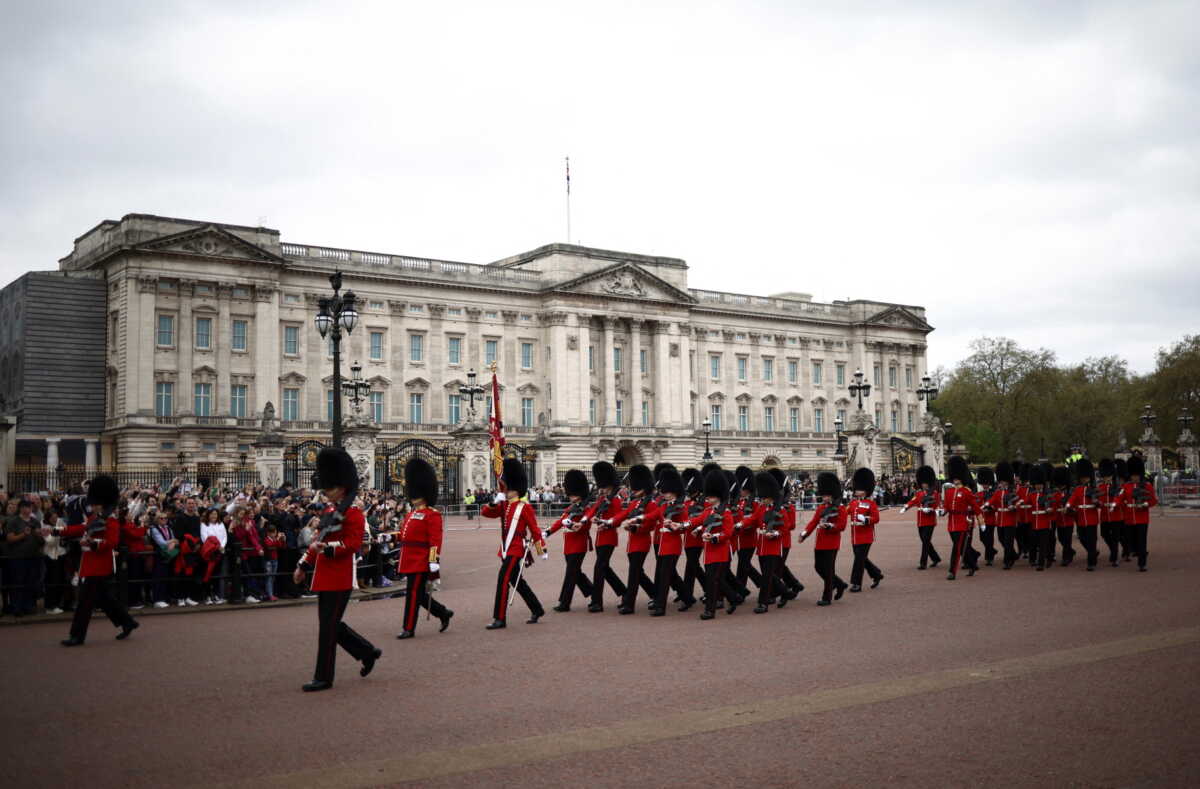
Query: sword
<point x="520" y="572"/>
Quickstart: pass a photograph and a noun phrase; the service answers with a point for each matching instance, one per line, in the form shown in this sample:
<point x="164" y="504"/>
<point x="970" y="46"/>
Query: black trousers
<point x="602" y="572"/>
<point x="772" y="582"/>
<point x="928" y="552"/>
<point x="987" y="536"/>
<point x="786" y="578"/>
<point x="717" y="588"/>
<point x="666" y="579"/>
<point x="574" y="577"/>
<point x="746" y="570"/>
<point x="1126" y="539"/>
<point x="1087" y="539"/>
<point x="333" y="633"/>
<point x="861" y="562"/>
<point x="1064" y="539"/>
<point x="418" y="597"/>
<point x="825" y="563"/>
<point x="693" y="569"/>
<point x="1025" y="539"/>
<point x="963" y="551"/>
<point x="1111" y="534"/>
<point x="637" y="579"/>
<point x="1008" y="536"/>
<point x="95" y="592"/>
<point x="507" y="578"/>
<point x="1041" y="554"/>
<point x="1138" y="533"/>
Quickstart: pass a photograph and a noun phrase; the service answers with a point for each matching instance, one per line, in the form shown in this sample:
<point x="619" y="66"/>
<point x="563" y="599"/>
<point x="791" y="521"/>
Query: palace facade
<point x="606" y="354"/>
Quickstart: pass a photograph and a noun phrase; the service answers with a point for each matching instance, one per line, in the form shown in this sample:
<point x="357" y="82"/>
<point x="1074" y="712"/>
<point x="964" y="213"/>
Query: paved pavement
<point x="1008" y="678"/>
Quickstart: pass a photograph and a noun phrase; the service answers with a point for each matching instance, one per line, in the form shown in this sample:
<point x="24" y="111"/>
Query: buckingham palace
<point x="609" y="355"/>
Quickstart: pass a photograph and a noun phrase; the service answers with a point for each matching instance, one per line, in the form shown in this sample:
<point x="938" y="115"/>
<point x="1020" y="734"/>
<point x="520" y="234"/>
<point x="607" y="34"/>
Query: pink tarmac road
<point x="1061" y="678"/>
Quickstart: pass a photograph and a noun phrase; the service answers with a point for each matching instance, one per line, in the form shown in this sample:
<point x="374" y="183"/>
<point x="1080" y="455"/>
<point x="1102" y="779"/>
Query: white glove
<point x="568" y="523"/>
<point x="941" y="513"/>
<point x="435" y="567"/>
<point x="545" y="555"/>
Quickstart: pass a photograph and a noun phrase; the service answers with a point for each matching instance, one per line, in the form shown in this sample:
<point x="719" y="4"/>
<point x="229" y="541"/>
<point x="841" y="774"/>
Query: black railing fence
<point x="37" y="479"/>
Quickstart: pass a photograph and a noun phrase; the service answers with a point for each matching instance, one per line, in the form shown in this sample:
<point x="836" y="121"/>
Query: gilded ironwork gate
<point x="300" y="462"/>
<point x="391" y="458"/>
<point x="906" y="457"/>
<point x="528" y="458"/>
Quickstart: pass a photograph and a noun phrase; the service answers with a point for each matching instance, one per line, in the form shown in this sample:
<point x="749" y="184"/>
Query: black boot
<point x="445" y="621"/>
<point x="369" y="662"/>
<point x="126" y="630"/>
<point x="405" y="634"/>
<point x="317" y="684"/>
<point x="496" y="624"/>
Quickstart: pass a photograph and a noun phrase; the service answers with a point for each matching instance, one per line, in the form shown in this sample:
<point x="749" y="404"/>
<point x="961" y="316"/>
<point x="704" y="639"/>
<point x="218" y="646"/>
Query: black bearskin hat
<point x="670" y="481"/>
<point x="641" y="478"/>
<point x="957" y="469"/>
<point x="828" y="485"/>
<point x="1107" y="467"/>
<point x="420" y="481"/>
<point x="103" y="492"/>
<point x="987" y="477"/>
<point x="745" y="478"/>
<point x="575" y="483"/>
<point x="1047" y="473"/>
<point x="514" y="476"/>
<point x="864" y="480"/>
<point x="715" y="485"/>
<point x="926" y="476"/>
<point x="659" y="468"/>
<point x="1004" y="472"/>
<point x="731" y="481"/>
<point x="1136" y="467"/>
<point x="1035" y="475"/>
<point x="1062" y="477"/>
<point x="1084" y="470"/>
<point x="691" y="480"/>
<point x="707" y="467"/>
<point x="1122" y="469"/>
<point x="778" y="474"/>
<point x="335" y="469"/>
<point x="604" y="474"/>
<point x="1021" y="471"/>
<point x="766" y="486"/>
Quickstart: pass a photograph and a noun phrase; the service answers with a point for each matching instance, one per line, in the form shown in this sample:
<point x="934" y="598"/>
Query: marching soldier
<point x="1065" y="524"/>
<point x="672" y="522"/>
<point x="829" y="521"/>
<point x="987" y="531"/>
<point x="786" y="581"/>
<point x="332" y="557"/>
<point x="927" y="500"/>
<point x="606" y="507"/>
<point x="959" y="505"/>
<point x="1005" y="502"/>
<point x="518" y="525"/>
<point x="863" y="515"/>
<point x="1025" y="536"/>
<point x="577" y="540"/>
<point x="769" y="521"/>
<point x="1084" y="503"/>
<point x="1042" y="505"/>
<point x="1110" y="519"/>
<point x="98" y="538"/>
<point x="639" y="518"/>
<point x="1137" y="496"/>
<point x="693" y="546"/>
<point x="714" y="525"/>
<point x="421" y="546"/>
<point x="1121" y="510"/>
<point x="747" y="538"/>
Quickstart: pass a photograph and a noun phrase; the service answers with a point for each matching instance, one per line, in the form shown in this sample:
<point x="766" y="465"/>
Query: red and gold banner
<point x="496" y="429"/>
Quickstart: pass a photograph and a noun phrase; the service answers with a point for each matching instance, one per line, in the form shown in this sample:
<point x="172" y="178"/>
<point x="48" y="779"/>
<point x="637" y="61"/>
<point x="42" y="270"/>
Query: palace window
<point x="895" y="421"/>
<point x="892" y="376"/>
<point x="416" y="347"/>
<point x="376" y="402"/>
<point x="620" y="412"/>
<point x="291" y="340"/>
<point x="616" y="359"/>
<point x="329" y="404"/>
<point x="715" y="416"/>
<point x="526" y="356"/>
<point x="816" y="373"/>
<point x="769" y="418"/>
<point x="768" y="369"/>
<point x="908" y="378"/>
<point x="743" y="417"/>
<point x="643" y="363"/>
<point x="164" y="397"/>
<point x="645" y="414"/>
<point x="489" y="350"/>
<point x="526" y="412"/>
<point x="237" y="401"/>
<point x="454" y="409"/>
<point x="840" y="370"/>
<point x="291" y="405"/>
<point x="203" y="399"/>
<point x="238" y="340"/>
<point x="878" y="375"/>
<point x="454" y="350"/>
<point x="592" y="411"/>
<point x="742" y="364"/>
<point x="819" y="420"/>
<point x="166" y="330"/>
<point x="416" y="402"/>
<point x="794" y="419"/>
<point x="203" y="333"/>
<point x="793" y="371"/>
<point x="714" y="366"/>
<point x="376" y="349"/>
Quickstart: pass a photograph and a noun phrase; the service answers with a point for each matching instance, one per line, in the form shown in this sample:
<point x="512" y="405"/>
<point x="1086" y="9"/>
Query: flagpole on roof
<point x="568" y="199"/>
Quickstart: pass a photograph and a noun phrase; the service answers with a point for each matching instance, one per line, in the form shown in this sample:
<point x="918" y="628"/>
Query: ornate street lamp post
<point x="356" y="388"/>
<point x="1185" y="421"/>
<point x="859" y="388"/>
<point x="1148" y="418"/>
<point x="946" y="443"/>
<point x="335" y="314"/>
<point x="707" y="425"/>
<point x="927" y="391"/>
<point x="470" y="391"/>
<point x="838" y="425"/>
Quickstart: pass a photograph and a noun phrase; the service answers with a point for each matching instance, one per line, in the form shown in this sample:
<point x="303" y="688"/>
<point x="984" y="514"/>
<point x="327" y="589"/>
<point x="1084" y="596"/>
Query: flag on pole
<point x="496" y="428"/>
<point x="568" y="175"/>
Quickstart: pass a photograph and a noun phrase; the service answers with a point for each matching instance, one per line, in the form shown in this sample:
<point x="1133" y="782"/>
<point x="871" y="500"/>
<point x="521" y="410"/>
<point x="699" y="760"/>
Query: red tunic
<point x="691" y="540"/>
<point x="1085" y="506"/>
<point x="862" y="533"/>
<point x="670" y="541"/>
<point x="927" y="503"/>
<point x="716" y="550"/>
<point x="1005" y="515"/>
<point x="576" y="538"/>
<point x="605" y="535"/>
<point x="336" y="573"/>
<point x="520" y="519"/>
<point x="1024" y="509"/>
<point x="97" y="561"/>
<point x="639" y="535"/>
<point x="832" y="523"/>
<point x="1042" y="506"/>
<point x="1137" y="498"/>
<point x="983" y="503"/>
<point x="754" y="523"/>
<point x="421" y="530"/>
<point x="746" y="538"/>
<point x="1106" y="496"/>
<point x="959" y="503"/>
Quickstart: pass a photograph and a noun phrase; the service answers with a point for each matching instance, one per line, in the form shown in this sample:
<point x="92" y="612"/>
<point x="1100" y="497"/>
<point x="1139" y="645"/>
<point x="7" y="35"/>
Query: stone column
<point x="547" y="460"/>
<point x="662" y="379"/>
<point x="584" y="324"/>
<point x="1188" y="455"/>
<point x="223" y="338"/>
<point x="476" y="464"/>
<point x="610" y="378"/>
<point x="685" y="376"/>
<point x="312" y="351"/>
<point x="397" y="348"/>
<point x="140" y="383"/>
<point x="185" y="343"/>
<point x="266" y="351"/>
<point x="359" y="441"/>
<point x="436" y="407"/>
<point x="8" y="445"/>
<point x="52" y="462"/>
<point x="268" y="456"/>
<point x="91" y="445"/>
<point x="561" y="361"/>
<point x="635" y="371"/>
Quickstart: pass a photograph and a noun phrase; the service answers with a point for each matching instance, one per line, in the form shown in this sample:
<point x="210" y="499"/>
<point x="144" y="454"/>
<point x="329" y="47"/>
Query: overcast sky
<point x="1029" y="170"/>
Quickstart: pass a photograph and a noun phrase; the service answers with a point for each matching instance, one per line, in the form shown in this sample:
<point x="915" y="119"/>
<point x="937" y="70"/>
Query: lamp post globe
<point x="707" y="425"/>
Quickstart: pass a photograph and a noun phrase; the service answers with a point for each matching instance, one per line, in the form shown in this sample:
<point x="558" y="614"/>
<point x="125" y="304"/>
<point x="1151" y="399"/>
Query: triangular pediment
<point x="625" y="281"/>
<point x="211" y="241"/>
<point x="900" y="318"/>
